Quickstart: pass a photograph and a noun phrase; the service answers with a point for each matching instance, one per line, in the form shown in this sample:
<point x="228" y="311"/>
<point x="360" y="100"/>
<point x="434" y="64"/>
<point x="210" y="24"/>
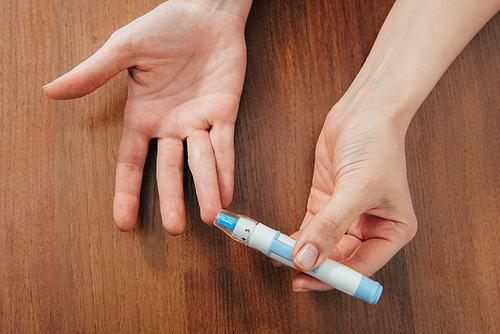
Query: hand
<point x="186" y="64"/>
<point x="359" y="211"/>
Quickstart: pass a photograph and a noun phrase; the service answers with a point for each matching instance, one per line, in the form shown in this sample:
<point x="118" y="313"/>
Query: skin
<point x="186" y="63"/>
<point x="359" y="210"/>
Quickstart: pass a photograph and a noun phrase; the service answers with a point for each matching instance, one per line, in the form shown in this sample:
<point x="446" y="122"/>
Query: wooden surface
<point x="66" y="268"/>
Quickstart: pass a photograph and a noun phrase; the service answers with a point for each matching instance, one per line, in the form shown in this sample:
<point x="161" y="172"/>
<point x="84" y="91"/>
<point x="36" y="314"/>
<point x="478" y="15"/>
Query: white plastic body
<point x="279" y="247"/>
<point x="332" y="273"/>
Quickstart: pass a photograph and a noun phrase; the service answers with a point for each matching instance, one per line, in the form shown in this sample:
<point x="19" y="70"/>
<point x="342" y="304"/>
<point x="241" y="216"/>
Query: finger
<point x="367" y="258"/>
<point x="342" y="251"/>
<point x="222" y="138"/>
<point x="317" y="201"/>
<point x="307" y="218"/>
<point x="374" y="253"/>
<point x="362" y="256"/>
<point x="277" y="264"/>
<point x="305" y="283"/>
<point x="131" y="158"/>
<point x="112" y="58"/>
<point x="346" y="246"/>
<point x="202" y="164"/>
<point x="170" y="184"/>
<point x="322" y="233"/>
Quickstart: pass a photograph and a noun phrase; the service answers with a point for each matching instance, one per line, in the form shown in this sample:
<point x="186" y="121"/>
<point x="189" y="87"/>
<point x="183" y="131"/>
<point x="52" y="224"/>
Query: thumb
<point x="321" y="234"/>
<point x="108" y="61"/>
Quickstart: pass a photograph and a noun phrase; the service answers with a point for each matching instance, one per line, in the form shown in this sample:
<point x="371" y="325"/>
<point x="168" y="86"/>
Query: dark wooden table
<point x="66" y="268"/>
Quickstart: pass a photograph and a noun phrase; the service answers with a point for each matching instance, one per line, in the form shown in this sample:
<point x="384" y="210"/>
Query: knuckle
<point x="94" y="81"/>
<point x="407" y="229"/>
<point x="412" y="228"/>
<point x="120" y="38"/>
<point x="129" y="166"/>
<point x="411" y="224"/>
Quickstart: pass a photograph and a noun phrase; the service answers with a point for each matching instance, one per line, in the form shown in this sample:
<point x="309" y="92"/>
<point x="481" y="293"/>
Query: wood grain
<point x="65" y="267"/>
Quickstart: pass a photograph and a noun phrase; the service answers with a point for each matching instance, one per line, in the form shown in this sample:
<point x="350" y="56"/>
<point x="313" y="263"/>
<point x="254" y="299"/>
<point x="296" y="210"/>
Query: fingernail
<point x="307" y="257"/>
<point x="301" y="290"/>
<point x="43" y="87"/>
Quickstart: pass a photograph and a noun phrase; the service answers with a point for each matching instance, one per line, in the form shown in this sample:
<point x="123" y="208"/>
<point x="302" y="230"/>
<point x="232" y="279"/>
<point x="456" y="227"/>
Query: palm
<point x="186" y="59"/>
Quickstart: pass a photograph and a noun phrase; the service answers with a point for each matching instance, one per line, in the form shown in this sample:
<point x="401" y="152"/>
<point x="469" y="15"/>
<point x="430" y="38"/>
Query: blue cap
<point x="227" y="222"/>
<point x="368" y="290"/>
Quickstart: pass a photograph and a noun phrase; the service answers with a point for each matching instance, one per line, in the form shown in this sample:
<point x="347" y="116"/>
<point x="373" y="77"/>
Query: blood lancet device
<point x="279" y="247"/>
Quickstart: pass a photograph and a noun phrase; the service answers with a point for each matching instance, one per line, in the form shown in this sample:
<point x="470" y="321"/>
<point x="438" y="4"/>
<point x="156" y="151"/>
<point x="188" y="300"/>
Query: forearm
<point x="417" y="43"/>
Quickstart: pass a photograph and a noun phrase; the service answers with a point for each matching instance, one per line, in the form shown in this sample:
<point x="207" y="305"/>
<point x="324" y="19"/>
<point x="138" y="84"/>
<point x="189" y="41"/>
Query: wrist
<point x="237" y="7"/>
<point x="383" y="95"/>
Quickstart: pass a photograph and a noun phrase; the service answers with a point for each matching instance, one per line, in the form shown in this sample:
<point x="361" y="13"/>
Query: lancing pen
<point x="279" y="247"/>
